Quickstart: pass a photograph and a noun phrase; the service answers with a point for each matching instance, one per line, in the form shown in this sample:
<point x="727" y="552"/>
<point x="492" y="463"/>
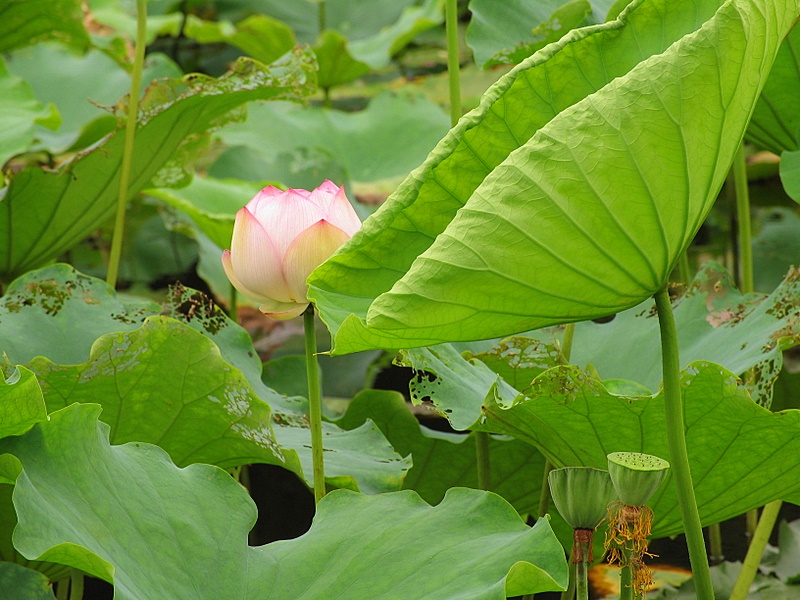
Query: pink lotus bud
<point x="280" y="237"/>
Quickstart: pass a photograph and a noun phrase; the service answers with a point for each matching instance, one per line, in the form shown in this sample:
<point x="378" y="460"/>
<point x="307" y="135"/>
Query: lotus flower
<point x="280" y="237"/>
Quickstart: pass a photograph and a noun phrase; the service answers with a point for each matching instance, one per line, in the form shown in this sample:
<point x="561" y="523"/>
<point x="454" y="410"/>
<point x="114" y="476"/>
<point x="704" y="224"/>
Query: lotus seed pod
<point x="581" y="495"/>
<point x="636" y="476"/>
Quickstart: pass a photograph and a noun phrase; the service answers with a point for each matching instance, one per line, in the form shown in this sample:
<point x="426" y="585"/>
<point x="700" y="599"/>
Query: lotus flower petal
<point x="227" y="264"/>
<point x="308" y="250"/>
<point x="255" y="260"/>
<point x="282" y="311"/>
<point x="337" y="209"/>
<point x="286" y="215"/>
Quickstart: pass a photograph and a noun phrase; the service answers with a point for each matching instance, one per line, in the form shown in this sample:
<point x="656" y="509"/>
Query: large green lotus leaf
<point x="127" y="514"/>
<point x="71" y="83"/>
<point x="266" y="38"/>
<point x="458" y="388"/>
<point x="575" y="420"/>
<point x="518" y="360"/>
<point x="776" y="119"/>
<point x="336" y="65"/>
<point x="164" y="383"/>
<point x="19" y="114"/>
<point x="120" y="17"/>
<point x="376" y="50"/>
<point x="26" y="584"/>
<point x="741" y="455"/>
<point x="300" y="168"/>
<point x="22" y="403"/>
<point x="715" y="322"/>
<point x="787" y="565"/>
<point x="395" y="546"/>
<point x="26" y="22"/>
<point x="442" y="461"/>
<point x="377" y="30"/>
<point x="167" y="384"/>
<point x="9" y="554"/>
<point x="566" y="195"/>
<point x="445" y="460"/>
<point x="347" y="16"/>
<point x="386" y="139"/>
<point x="259" y="36"/>
<point x="58" y="313"/>
<point x="21" y="407"/>
<point x="776" y="245"/>
<point x="516" y="29"/>
<point x="43" y="213"/>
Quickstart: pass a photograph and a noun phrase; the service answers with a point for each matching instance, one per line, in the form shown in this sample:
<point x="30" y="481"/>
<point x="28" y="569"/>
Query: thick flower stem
<point x="676" y="441"/>
<point x="127" y="152"/>
<point x="314" y="403"/>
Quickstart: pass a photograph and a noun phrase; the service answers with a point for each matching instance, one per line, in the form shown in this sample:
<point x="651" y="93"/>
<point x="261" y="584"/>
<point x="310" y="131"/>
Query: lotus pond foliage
<point x="567" y="247"/>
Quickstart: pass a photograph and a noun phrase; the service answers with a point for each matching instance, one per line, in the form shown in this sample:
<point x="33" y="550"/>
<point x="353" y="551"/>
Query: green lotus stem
<point x="676" y="442"/>
<point x="322" y="16"/>
<point x="566" y="353"/>
<point x="76" y="585"/>
<point x="544" y="495"/>
<point x="127" y="152"/>
<point x="715" y="543"/>
<point x="314" y="403"/>
<point x="745" y="263"/>
<point x="743" y="218"/>
<point x="484" y="465"/>
<point x="756" y="550"/>
<point x="684" y="269"/>
<point x="566" y="342"/>
<point x="569" y="593"/>
<point x="453" y="62"/>
<point x="751" y="523"/>
<point x="62" y="589"/>
<point x="453" y="66"/>
<point x="233" y="309"/>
